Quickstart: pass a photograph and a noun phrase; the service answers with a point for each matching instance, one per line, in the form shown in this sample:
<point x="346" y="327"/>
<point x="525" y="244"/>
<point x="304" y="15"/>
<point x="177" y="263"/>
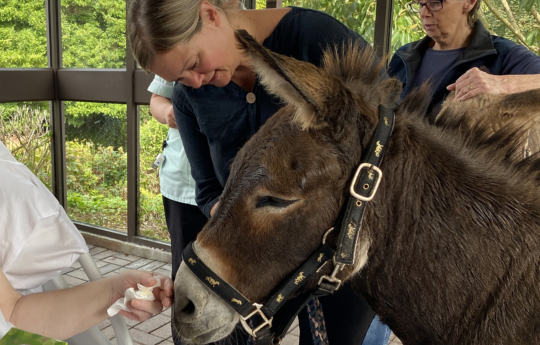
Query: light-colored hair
<point x="157" y="26"/>
<point x="473" y="15"/>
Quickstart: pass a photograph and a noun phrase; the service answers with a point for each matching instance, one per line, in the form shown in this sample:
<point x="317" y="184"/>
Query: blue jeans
<point x="377" y="334"/>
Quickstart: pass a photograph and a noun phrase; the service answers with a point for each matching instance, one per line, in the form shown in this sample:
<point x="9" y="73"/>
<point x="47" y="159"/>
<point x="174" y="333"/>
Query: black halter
<point x="268" y="323"/>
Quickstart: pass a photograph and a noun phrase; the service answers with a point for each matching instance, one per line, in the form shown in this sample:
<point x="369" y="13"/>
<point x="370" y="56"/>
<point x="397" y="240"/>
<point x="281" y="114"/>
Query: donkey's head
<point x="287" y="183"/>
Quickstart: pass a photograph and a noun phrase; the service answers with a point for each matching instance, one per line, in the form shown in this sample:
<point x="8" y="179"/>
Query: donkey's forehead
<point x="281" y="155"/>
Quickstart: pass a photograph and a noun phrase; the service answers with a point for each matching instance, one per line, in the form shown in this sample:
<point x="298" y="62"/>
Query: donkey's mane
<point x="361" y="71"/>
<point x="353" y="64"/>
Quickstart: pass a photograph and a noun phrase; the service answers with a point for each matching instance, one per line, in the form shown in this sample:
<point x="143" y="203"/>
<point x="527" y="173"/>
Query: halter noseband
<point x="268" y="323"/>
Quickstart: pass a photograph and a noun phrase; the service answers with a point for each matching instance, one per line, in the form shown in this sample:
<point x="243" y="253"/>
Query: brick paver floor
<point x="157" y="330"/>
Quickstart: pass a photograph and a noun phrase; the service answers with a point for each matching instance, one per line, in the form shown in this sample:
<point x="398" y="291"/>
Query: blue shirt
<point x="215" y="122"/>
<point x="175" y="178"/>
<point x="434" y="65"/>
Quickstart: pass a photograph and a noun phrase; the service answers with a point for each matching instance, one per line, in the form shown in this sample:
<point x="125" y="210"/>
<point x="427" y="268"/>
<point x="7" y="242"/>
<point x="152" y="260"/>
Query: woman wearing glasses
<point x="459" y="54"/>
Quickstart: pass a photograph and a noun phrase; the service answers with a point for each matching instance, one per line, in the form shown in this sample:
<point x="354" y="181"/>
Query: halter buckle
<point x="332" y="278"/>
<point x="371" y="168"/>
<point x="266" y="321"/>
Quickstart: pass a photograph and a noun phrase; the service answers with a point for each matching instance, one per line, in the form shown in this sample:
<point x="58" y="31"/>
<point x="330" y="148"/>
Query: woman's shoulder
<point x="309" y="18"/>
<point x="304" y="34"/>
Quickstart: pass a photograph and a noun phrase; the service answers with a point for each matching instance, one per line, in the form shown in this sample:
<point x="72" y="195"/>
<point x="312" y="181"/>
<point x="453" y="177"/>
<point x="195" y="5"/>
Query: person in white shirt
<point x="37" y="242"/>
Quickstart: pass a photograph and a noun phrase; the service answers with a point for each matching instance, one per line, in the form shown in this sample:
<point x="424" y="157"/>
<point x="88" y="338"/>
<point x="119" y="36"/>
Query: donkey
<point x="448" y="250"/>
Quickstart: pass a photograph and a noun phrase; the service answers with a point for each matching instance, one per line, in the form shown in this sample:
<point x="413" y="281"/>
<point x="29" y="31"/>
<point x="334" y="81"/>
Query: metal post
<point x="54" y="57"/>
<point x="383" y="27"/>
<point x="274" y="3"/>
<point x="132" y="145"/>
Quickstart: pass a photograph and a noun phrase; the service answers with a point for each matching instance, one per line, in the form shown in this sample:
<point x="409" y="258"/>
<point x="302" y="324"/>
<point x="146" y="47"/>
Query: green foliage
<point x="96" y="174"/>
<point x="23" y="33"/>
<point x="151" y="215"/>
<point x="103" y="124"/>
<point x="26" y="133"/>
<point x="359" y="16"/>
<point x="516" y="20"/>
<point x="97" y="188"/>
<point x="406" y="26"/>
<point x="93" y="33"/>
<point x="527" y="5"/>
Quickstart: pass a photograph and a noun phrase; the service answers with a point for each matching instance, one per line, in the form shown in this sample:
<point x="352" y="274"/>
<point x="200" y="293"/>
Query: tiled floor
<point x="157" y="330"/>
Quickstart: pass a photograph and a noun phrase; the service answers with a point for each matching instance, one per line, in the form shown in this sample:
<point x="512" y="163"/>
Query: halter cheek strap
<point x="363" y="188"/>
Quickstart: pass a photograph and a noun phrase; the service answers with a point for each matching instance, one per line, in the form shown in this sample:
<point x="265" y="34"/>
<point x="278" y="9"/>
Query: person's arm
<point x="63" y="313"/>
<point x="208" y="188"/>
<point x="162" y="110"/>
<point x="476" y="82"/>
<point x="520" y="72"/>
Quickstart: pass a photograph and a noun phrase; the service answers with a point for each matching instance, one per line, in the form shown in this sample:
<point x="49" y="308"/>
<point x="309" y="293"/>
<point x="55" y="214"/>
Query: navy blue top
<point x="492" y="54"/>
<point x="434" y="65"/>
<point x="215" y="122"/>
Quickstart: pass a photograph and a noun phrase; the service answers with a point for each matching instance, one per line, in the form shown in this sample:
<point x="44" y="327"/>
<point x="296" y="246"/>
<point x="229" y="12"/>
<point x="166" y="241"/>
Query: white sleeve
<point x="37" y="239"/>
<point x="54" y="245"/>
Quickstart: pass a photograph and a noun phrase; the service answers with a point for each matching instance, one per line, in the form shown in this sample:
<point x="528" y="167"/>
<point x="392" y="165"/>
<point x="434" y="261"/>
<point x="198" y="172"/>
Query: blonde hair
<point x="473" y="14"/>
<point x="157" y="26"/>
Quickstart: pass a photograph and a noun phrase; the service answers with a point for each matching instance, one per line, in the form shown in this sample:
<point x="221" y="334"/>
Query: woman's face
<point x="210" y="56"/>
<point x="448" y="26"/>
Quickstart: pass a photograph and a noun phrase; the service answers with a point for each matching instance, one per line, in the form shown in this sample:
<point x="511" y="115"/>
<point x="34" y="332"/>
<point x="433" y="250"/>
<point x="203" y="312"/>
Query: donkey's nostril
<point x="189" y="308"/>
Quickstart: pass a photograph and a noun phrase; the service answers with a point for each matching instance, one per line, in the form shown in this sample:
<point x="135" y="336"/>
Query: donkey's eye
<point x="272" y="201"/>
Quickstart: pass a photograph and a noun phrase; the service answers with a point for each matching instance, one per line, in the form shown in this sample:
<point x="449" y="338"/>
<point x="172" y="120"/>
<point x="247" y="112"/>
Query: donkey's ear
<point x="299" y="83"/>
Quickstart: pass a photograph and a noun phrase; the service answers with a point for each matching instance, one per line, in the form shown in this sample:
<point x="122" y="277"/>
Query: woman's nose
<point x="197" y="80"/>
<point x="193" y="80"/>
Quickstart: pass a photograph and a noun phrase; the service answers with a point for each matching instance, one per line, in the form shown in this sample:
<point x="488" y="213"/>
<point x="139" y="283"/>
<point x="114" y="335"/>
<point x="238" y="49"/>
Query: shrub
<point x="26" y="133"/>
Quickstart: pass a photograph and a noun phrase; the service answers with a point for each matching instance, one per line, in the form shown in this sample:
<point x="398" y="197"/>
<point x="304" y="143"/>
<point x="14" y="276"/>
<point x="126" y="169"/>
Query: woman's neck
<point x="459" y="39"/>
<point x="260" y="24"/>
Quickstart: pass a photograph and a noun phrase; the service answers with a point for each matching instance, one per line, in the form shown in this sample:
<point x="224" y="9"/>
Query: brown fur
<point x="453" y="233"/>
<point x="493" y="112"/>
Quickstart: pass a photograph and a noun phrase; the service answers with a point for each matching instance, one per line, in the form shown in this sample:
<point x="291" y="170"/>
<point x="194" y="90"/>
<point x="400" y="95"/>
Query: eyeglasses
<point x="431" y="5"/>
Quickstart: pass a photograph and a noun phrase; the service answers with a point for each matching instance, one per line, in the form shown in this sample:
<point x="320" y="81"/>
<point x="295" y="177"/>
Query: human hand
<point x="214" y="209"/>
<point x="143" y="310"/>
<point x="475" y="82"/>
<point x="169" y="117"/>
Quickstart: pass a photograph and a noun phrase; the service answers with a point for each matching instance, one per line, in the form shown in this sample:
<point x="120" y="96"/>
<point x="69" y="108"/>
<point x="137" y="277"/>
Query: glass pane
<point x="356" y="15"/>
<point x="93" y="33"/>
<point x="260" y="4"/>
<point x="23" y="34"/>
<point x="406" y="27"/>
<point x="151" y="215"/>
<point x="96" y="163"/>
<point x="26" y="132"/>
